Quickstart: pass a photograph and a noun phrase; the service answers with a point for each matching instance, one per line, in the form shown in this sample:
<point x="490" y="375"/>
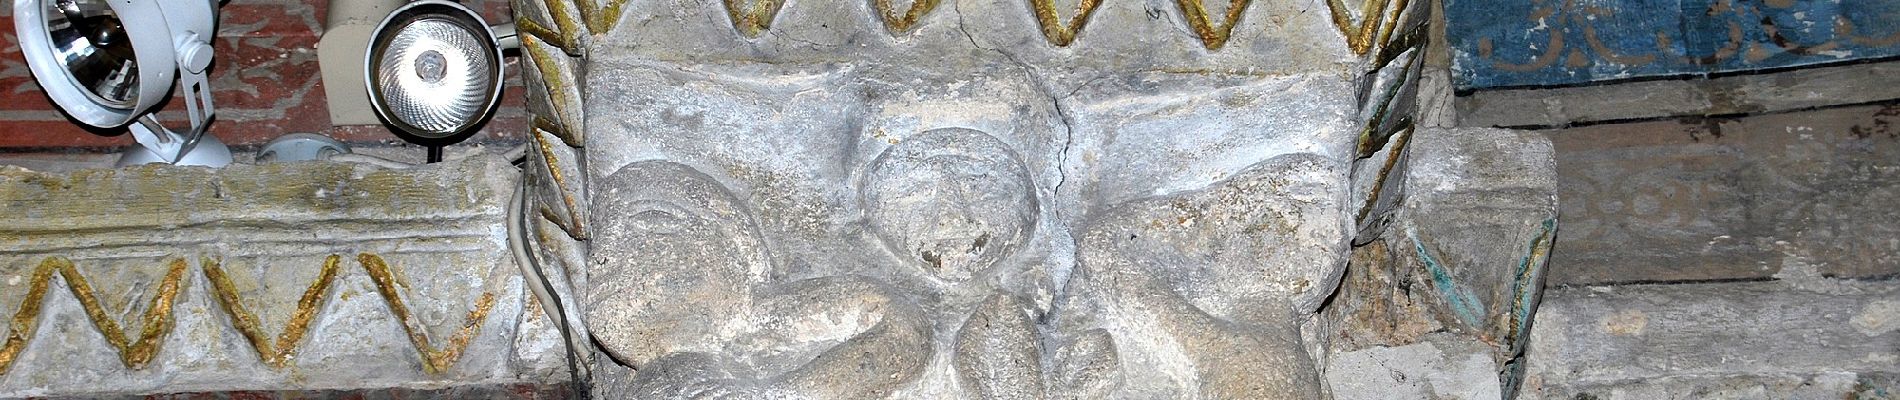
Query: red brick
<point x="265" y="81"/>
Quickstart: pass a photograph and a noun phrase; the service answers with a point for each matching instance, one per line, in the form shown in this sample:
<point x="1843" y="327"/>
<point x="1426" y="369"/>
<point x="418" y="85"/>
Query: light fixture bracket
<point x="170" y="40"/>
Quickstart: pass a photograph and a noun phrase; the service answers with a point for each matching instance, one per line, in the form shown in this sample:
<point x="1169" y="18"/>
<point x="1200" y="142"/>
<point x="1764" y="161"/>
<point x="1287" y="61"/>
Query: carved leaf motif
<point x="1212" y="36"/>
<point x="1059" y="33"/>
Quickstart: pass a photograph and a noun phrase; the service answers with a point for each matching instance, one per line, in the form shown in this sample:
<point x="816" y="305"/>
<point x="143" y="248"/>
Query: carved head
<point x="955" y="201"/>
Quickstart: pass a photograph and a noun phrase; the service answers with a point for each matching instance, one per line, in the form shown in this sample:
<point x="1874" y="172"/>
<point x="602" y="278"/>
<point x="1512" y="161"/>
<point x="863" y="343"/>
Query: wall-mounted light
<point x="108" y="62"/>
<point x="434" y="72"/>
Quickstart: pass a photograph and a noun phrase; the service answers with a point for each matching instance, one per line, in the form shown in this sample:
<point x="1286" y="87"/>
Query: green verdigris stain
<point x="1525" y="283"/>
<point x="1463" y="304"/>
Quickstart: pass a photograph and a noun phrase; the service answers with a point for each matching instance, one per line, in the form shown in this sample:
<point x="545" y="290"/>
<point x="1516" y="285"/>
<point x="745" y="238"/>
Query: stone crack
<point x="1062" y="111"/>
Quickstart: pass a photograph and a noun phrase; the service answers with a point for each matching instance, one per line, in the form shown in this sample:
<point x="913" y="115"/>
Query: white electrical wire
<point x="512" y="155"/>
<point x="517" y="227"/>
<point x="370" y="160"/>
<point x="537" y="280"/>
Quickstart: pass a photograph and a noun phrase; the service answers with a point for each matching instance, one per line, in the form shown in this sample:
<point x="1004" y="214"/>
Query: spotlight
<point x="433" y="71"/>
<point x="108" y="62"/>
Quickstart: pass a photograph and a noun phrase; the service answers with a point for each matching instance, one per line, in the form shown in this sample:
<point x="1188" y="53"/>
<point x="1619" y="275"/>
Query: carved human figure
<point x="962" y="210"/>
<point x="955" y="204"/>
<point x="696" y="302"/>
<point x="697" y="311"/>
<point x="1184" y="281"/>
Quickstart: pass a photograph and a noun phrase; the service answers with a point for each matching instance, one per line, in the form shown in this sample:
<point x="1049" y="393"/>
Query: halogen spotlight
<point x="108" y="62"/>
<point x="433" y="72"/>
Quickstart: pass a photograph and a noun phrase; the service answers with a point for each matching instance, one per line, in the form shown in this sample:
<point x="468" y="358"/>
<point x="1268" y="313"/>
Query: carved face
<point x="680" y="238"/>
<point x="955" y="201"/>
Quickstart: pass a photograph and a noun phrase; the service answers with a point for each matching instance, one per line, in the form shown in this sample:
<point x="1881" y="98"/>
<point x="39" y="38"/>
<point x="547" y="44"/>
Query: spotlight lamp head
<point x="108" y="62"/>
<point x="434" y="72"/>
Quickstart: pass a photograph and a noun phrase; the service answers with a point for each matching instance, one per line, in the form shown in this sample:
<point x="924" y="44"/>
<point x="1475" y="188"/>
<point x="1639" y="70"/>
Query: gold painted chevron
<point x="21" y="327"/>
<point x="1058" y="33"/>
<point x="752" y="17"/>
<point x="1375" y="22"/>
<point x="567" y="31"/>
<point x="134" y="353"/>
<point x="247" y="324"/>
<point x="900" y="23"/>
<point x="433" y="360"/>
<point x="1212" y="36"/>
<point x="158" y="317"/>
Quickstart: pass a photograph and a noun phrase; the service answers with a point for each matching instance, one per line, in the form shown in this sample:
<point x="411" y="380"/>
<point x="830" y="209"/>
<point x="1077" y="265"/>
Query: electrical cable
<point x="517" y="220"/>
<point x="369" y="159"/>
<point x="542" y="287"/>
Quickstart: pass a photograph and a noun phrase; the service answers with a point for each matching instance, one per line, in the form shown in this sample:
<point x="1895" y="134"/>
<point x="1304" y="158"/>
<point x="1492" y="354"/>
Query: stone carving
<point x="900" y="23"/>
<point x="1058" y="32"/>
<point x="753" y="17"/>
<point x="135" y="354"/>
<point x="1376" y="20"/>
<point x="698" y="245"/>
<point x="158" y="315"/>
<point x="1193" y="273"/>
<point x="192" y="279"/>
<point x="291" y="336"/>
<point x="1212" y="36"/>
<point x="956" y="199"/>
<point x="863" y="205"/>
<point x="1373" y="23"/>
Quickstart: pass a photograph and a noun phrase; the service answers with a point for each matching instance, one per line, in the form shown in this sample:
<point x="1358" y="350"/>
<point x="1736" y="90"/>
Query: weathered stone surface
<point x="808" y="199"/>
<point x="1381" y="301"/>
<point x="252" y="277"/>
<point x="1817" y="386"/>
<point x="1480" y="217"/>
<point x="1465" y="253"/>
<point x="1730" y="199"/>
<point x="1726" y="340"/>
<point x="1449" y="367"/>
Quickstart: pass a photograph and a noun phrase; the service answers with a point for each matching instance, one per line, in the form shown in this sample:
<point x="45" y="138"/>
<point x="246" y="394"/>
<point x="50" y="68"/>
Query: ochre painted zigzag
<point x="158" y="316"/>
<point x="1212" y="36"/>
<point x="135" y="354"/>
<point x="433" y="361"/>
<point x="247" y="324"/>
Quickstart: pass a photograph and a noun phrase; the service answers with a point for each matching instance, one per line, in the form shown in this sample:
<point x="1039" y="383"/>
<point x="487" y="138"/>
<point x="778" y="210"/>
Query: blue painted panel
<point x="1513" y="43"/>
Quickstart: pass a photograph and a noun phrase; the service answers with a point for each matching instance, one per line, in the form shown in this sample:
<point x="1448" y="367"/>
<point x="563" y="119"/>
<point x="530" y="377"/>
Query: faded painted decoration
<point x="1500" y="44"/>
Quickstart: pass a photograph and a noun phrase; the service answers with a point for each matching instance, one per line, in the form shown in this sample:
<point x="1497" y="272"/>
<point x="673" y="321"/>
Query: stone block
<point x="1729" y="199"/>
<point x="1479" y="221"/>
<point x="1448" y="367"/>
<point x="295" y="276"/>
<point x="1716" y="340"/>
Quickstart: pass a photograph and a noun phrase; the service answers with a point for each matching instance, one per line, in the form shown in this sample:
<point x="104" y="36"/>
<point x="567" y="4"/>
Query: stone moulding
<point x="1372" y="23"/>
<point x="158" y="315"/>
<point x="135" y="354"/>
<point x="286" y="276"/>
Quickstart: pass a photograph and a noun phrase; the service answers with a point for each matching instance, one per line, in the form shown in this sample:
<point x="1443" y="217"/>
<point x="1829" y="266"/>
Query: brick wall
<point x="265" y="83"/>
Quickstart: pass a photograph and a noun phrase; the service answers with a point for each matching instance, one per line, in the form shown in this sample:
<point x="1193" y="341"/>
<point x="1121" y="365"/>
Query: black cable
<point x="577" y="385"/>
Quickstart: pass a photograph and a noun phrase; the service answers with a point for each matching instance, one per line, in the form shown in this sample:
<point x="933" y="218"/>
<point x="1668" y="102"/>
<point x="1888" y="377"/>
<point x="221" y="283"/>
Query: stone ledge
<point x="1752" y="340"/>
<point x="296" y="276"/>
<point x="1728" y="95"/>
